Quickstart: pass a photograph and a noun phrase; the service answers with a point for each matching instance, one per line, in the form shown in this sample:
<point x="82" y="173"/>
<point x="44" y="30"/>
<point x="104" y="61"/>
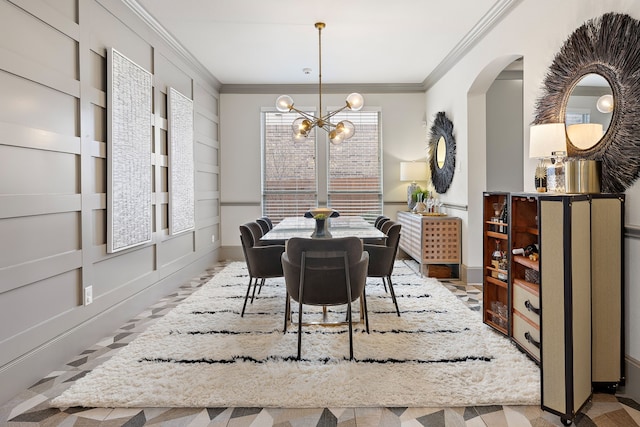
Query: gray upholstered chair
<point x="263" y="262"/>
<point x="258" y="231"/>
<point x="378" y="219"/>
<point x="325" y="272"/>
<point x="264" y="225"/>
<point x="377" y="223"/>
<point x="382" y="258"/>
<point x="380" y="222"/>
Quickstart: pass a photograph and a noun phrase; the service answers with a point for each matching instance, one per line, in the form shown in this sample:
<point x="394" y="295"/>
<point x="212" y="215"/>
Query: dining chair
<point x="379" y="223"/>
<point x="378" y="219"/>
<point x="263" y="262"/>
<point x="257" y="231"/>
<point x="264" y="225"/>
<point x="324" y="272"/>
<point x="382" y="259"/>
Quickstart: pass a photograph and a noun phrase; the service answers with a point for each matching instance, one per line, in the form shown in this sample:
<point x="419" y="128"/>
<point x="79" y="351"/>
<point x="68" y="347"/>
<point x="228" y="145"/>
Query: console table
<point x="433" y="241"/>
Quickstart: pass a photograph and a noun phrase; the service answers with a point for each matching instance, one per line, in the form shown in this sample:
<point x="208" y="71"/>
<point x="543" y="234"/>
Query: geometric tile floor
<point x="30" y="408"/>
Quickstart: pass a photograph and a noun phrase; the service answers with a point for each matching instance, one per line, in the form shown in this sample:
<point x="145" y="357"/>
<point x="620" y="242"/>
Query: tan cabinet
<point x="433" y="241"/>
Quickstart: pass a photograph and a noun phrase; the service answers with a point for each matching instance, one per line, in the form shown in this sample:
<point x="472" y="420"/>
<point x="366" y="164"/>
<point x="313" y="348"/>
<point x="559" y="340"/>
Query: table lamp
<point x="548" y="141"/>
<point x="413" y="171"/>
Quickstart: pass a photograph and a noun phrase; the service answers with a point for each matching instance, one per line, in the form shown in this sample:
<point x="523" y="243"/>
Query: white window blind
<point x="355" y="167"/>
<point x="289" y="175"/>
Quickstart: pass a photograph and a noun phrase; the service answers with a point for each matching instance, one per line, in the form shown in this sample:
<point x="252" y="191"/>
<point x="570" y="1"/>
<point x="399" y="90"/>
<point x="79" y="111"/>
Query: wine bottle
<point x="526" y="251"/>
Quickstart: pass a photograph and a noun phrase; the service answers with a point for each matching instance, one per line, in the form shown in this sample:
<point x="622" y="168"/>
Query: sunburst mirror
<point x="442" y="152"/>
<point x="607" y="46"/>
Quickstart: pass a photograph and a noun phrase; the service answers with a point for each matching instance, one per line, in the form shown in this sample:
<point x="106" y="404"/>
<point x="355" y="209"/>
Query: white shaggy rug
<point x="203" y="354"/>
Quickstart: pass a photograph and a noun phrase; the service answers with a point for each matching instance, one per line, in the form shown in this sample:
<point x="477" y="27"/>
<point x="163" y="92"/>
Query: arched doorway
<point x="479" y="119"/>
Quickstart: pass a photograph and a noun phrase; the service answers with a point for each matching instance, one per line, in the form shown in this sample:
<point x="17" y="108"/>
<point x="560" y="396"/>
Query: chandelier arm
<point x="304" y="114"/>
<point x="333" y="113"/>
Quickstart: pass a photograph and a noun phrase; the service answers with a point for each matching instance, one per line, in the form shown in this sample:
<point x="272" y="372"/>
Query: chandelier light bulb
<point x="355" y="101"/>
<point x="284" y="103"/>
<point x="336" y="137"/>
<point x="346" y="128"/>
<point x="299" y="137"/>
<point x="605" y="104"/>
<point x="301" y="125"/>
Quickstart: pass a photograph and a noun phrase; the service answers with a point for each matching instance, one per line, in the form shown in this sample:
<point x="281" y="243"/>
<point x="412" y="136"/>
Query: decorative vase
<point x="321" y="231"/>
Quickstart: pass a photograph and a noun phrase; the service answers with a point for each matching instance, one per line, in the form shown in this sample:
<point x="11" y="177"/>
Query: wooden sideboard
<point x="433" y="241"/>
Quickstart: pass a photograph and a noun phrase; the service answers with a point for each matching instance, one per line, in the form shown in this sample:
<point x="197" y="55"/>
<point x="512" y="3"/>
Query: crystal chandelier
<point x="306" y="122"/>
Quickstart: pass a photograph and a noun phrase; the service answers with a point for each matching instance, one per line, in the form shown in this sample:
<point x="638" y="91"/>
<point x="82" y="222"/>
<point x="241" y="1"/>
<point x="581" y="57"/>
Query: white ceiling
<point x="244" y="42"/>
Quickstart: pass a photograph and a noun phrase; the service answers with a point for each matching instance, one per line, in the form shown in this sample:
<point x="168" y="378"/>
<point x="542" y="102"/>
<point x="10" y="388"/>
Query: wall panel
<point x="28" y="238"/>
<point x="175" y="248"/>
<point x="47" y="298"/>
<point x="48" y="172"/>
<point x="24" y="34"/>
<point x="31" y="104"/>
<point x="53" y="182"/>
<point x="114" y="272"/>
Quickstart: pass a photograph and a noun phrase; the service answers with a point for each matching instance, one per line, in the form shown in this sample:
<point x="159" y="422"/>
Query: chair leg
<point x="365" y="310"/>
<point x="299" y="328"/>
<point x="246" y="297"/>
<point x="350" y="331"/>
<point x="287" y="311"/>
<point x="255" y="285"/>
<point x="393" y="295"/>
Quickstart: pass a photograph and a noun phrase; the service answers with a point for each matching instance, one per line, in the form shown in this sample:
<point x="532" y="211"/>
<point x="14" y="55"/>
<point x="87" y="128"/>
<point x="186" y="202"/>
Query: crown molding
<point x="500" y="9"/>
<point x="142" y="13"/>
<point x="326" y="88"/>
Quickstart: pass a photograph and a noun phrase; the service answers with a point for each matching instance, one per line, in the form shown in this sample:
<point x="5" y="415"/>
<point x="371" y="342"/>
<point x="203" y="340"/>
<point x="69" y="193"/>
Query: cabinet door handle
<point x="533" y="342"/>
<point x="531" y="308"/>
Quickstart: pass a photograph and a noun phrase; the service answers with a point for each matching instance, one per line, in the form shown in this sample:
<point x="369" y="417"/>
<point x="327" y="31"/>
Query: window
<point x="290" y="169"/>
<point x="355" y="168"/>
<point x="289" y="178"/>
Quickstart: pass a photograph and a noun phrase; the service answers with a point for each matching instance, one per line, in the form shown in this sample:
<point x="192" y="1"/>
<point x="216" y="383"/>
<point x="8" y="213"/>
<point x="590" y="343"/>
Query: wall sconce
<point x="547" y="141"/>
<point x="413" y="171"/>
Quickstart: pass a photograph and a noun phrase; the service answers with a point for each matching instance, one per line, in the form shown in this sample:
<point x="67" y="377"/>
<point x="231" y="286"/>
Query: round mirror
<point x="441" y="152"/>
<point x="588" y="111"/>
<point x="604" y="46"/>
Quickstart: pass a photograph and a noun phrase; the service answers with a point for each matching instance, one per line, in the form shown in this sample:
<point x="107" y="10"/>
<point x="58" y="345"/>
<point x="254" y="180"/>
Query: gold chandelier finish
<point x="303" y="125"/>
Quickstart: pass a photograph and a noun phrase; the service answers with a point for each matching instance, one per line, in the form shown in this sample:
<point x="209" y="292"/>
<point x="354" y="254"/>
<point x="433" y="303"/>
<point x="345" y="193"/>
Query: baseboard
<point x="472" y="274"/>
<point x="231" y="253"/>
<point x="25" y="371"/>
<point x="631" y="387"/>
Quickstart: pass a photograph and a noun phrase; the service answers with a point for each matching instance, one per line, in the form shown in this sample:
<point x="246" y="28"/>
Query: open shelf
<point x="523" y="260"/>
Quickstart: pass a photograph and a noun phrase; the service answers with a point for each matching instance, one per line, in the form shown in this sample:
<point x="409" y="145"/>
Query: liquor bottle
<point x="496" y="258"/>
<point x="504" y="218"/>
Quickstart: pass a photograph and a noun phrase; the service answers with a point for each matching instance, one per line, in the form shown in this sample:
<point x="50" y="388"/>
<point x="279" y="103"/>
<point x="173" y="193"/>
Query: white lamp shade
<point x="414" y="171"/>
<point x="546" y="138"/>
<point x="585" y="135"/>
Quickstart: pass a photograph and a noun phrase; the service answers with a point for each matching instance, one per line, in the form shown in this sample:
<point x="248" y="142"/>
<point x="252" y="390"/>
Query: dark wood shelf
<point x="496" y="235"/>
<point x="522" y="260"/>
<point x="495" y="281"/>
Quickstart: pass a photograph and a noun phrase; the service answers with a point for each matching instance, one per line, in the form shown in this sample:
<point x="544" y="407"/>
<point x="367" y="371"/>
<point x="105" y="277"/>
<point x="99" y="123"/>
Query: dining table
<point x="342" y="226"/>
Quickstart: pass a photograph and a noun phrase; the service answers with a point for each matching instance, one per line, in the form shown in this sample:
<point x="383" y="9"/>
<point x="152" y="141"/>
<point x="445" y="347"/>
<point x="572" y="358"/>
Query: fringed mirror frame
<point x="609" y="46"/>
<point x="441" y="177"/>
